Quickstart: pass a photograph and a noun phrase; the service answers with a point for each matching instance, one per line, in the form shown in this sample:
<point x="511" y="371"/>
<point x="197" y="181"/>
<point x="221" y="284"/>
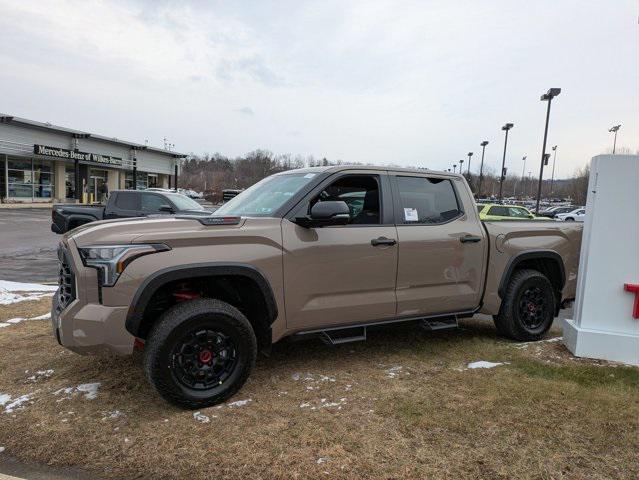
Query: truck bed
<point x="509" y="239"/>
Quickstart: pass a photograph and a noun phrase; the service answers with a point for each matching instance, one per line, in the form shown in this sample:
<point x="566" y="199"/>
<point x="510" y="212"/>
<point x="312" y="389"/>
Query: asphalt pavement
<point x="28" y="246"/>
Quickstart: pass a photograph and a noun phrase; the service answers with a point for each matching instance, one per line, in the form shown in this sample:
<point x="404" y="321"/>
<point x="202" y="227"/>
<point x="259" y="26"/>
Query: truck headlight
<point x="111" y="260"/>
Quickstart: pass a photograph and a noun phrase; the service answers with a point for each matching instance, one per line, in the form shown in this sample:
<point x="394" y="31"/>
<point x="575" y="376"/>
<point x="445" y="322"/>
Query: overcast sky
<point x="406" y="83"/>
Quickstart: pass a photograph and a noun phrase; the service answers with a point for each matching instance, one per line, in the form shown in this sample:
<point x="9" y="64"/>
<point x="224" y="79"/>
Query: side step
<point x="347" y="335"/>
<point x="439" y="323"/>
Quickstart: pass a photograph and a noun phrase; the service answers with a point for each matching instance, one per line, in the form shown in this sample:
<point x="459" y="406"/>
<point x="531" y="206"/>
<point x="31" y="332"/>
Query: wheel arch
<point x="547" y="262"/>
<point x="137" y="321"/>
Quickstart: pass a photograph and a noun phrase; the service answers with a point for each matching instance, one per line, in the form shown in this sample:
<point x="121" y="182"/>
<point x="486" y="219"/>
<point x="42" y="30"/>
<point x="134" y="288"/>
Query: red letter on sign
<point x="634" y="288"/>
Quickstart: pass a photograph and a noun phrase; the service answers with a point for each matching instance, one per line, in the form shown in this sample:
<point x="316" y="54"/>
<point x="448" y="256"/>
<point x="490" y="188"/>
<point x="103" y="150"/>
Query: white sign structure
<point x="607" y="304"/>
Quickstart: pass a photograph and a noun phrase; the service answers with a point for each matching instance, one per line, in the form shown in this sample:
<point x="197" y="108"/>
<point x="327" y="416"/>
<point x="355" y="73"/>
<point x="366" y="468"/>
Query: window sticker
<point x="310" y="175"/>
<point x="410" y="215"/>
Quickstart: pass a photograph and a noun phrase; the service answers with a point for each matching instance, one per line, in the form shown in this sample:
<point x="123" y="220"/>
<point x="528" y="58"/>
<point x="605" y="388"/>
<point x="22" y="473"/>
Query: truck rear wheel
<point x="200" y="353"/>
<point x="528" y="307"/>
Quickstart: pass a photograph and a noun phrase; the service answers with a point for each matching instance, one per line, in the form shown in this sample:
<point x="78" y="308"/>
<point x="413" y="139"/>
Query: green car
<point x="497" y="211"/>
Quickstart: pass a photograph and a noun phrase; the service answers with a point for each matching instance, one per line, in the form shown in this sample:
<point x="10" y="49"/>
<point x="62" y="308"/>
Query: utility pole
<point x="546" y="97"/>
<point x="481" y="167"/>
<point x="506" y="127"/>
<point x="615" y="129"/>
<point x="554" y="161"/>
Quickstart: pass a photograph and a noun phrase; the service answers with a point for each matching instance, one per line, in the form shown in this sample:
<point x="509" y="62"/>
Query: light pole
<point x="470" y="154"/>
<point x="506" y="127"/>
<point x="530" y="182"/>
<point x="615" y="129"/>
<point x="554" y="161"/>
<point x="481" y="167"/>
<point x="546" y="97"/>
<point x="454" y="168"/>
<point x="461" y="165"/>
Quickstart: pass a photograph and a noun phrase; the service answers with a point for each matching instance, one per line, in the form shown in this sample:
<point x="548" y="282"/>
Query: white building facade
<point x="40" y="162"/>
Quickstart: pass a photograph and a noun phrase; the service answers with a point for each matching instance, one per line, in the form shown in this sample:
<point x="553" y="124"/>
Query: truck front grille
<point x="66" y="280"/>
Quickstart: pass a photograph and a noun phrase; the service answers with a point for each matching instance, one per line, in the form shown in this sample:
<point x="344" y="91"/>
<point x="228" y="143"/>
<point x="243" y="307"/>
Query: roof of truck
<point x="338" y="168"/>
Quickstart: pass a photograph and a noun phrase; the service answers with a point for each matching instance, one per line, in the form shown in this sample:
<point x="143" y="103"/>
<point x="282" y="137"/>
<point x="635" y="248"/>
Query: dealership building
<point x="41" y="162"/>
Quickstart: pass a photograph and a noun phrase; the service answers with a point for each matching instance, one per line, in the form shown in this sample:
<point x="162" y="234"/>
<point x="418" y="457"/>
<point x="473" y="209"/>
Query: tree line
<point x="211" y="174"/>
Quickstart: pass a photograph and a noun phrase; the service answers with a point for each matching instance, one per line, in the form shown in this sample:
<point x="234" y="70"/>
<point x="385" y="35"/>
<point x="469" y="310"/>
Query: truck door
<point x="442" y="246"/>
<point x="344" y="274"/>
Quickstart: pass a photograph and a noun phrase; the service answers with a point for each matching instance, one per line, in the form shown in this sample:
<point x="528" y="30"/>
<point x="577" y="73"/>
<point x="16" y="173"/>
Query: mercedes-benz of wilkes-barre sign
<point x="73" y="155"/>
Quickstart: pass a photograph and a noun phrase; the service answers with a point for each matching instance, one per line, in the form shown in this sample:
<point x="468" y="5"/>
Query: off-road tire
<point x="170" y="330"/>
<point x="509" y="321"/>
<point x="570" y="219"/>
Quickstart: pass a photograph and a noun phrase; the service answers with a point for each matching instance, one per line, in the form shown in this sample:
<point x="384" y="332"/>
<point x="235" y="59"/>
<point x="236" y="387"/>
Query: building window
<point x="128" y="181"/>
<point x="42" y="178"/>
<point x="152" y="180"/>
<point x="19" y="178"/>
<point x="29" y="179"/>
<point x="69" y="181"/>
<point x="141" y="180"/>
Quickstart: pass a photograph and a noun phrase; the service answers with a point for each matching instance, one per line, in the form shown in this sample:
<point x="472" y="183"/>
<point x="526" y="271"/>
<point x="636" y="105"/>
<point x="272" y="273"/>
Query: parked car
<point x="324" y="251"/>
<point x="554" y="211"/>
<point x="576" y="215"/>
<point x="497" y="211"/>
<point x="124" y="204"/>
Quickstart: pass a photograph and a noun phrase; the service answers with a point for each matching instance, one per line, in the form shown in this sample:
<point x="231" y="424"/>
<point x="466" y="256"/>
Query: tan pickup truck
<point x="327" y="252"/>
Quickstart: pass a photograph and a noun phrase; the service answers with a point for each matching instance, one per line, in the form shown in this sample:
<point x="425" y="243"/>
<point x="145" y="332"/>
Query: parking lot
<point x="27" y="245"/>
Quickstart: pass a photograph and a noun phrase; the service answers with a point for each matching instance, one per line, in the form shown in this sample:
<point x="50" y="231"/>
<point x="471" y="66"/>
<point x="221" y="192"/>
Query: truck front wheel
<point x="200" y="353"/>
<point x="528" y="307"/>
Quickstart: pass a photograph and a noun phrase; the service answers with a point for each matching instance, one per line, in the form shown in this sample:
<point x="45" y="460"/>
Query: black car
<point x="124" y="204"/>
<point x="552" y="212"/>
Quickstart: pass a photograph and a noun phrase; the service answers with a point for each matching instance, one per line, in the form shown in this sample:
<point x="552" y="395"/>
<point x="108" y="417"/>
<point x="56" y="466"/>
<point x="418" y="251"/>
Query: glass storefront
<point x="27" y="178"/>
<point x="69" y="181"/>
<point x="97" y="185"/>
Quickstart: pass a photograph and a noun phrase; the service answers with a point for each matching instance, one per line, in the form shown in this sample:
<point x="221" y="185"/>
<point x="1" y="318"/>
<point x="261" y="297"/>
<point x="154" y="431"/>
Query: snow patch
<point x="239" y="403"/>
<point x="90" y="391"/>
<point x="321" y="460"/>
<point x="1" y="449"/>
<point x="200" y="417"/>
<point x="113" y="414"/>
<point x="13" y="292"/>
<point x="40" y="374"/>
<point x="394" y="371"/>
<point x="4" y="399"/>
<point x="484" y="364"/>
<point x="17" y="403"/>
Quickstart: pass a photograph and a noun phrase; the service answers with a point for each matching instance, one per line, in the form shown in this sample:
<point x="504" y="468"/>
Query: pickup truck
<point x="123" y="204"/>
<point x="326" y="252"/>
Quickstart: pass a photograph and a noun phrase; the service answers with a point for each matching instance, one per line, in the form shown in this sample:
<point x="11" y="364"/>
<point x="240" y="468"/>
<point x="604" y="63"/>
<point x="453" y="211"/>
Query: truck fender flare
<point x="531" y="255"/>
<point x="160" y="278"/>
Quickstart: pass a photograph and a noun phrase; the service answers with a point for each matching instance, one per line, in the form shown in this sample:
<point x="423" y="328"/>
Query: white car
<point x="577" y="215"/>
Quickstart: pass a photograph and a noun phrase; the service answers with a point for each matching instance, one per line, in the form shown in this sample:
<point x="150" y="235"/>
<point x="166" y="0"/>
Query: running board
<point x="439" y="323"/>
<point x="337" y="337"/>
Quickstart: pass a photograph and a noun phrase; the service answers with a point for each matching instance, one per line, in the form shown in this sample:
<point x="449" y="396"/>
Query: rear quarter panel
<point x="511" y="238"/>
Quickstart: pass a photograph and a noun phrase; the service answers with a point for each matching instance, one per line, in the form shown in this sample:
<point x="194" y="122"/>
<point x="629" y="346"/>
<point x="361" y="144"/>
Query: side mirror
<point x="167" y="209"/>
<point x="531" y="216"/>
<point x="324" y="214"/>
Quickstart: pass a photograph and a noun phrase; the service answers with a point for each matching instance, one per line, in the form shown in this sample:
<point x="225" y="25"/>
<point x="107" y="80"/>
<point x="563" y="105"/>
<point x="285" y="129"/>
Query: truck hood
<point x="140" y="230"/>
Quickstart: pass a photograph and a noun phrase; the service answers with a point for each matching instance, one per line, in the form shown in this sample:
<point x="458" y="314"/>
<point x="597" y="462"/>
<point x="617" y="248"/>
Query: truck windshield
<point x="183" y="202"/>
<point x="265" y="197"/>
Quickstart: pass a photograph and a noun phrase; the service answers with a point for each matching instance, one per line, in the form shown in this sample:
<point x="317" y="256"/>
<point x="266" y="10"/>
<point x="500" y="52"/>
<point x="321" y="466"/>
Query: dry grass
<point x="542" y="415"/>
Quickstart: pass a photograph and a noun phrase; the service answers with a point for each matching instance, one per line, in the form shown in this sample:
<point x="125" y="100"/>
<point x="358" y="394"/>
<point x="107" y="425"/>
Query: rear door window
<point x="426" y="200"/>
<point x="127" y="201"/>
<point x="498" y="211"/>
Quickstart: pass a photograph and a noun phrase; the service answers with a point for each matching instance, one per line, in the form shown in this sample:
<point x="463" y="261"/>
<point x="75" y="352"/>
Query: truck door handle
<point x="376" y="242"/>
<point x="469" y="239"/>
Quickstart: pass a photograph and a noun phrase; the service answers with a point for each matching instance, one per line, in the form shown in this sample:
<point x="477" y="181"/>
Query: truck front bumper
<point x="91" y="328"/>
